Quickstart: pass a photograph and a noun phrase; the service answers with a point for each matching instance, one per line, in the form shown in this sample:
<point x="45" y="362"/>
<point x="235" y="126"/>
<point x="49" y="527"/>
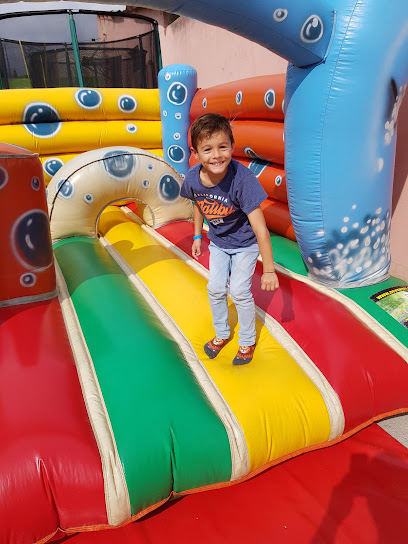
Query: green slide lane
<point x="286" y="253"/>
<point x="167" y="433"/>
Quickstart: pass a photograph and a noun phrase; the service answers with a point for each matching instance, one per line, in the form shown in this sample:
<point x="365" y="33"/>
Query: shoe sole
<point x="210" y="352"/>
<point x="241" y="362"/>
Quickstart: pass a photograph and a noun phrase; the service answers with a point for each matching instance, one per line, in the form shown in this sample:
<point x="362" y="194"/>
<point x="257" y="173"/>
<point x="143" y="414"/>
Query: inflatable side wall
<point x="58" y="124"/>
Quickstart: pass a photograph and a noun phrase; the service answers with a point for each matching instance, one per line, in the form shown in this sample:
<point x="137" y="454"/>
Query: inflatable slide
<point x="125" y="410"/>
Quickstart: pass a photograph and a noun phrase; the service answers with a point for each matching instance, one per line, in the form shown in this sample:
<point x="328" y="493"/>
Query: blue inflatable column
<point x="340" y="141"/>
<point x="177" y="87"/>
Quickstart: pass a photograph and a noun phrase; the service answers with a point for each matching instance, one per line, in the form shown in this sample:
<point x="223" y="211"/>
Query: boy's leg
<point x="242" y="270"/>
<point x="217" y="290"/>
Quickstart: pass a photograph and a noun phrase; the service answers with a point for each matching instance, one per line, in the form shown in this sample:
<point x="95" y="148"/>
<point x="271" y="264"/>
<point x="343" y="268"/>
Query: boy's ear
<point x="194" y="152"/>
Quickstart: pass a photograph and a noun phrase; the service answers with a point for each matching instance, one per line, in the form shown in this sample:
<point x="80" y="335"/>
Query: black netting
<point x="132" y="62"/>
<point x="129" y="62"/>
<point x="25" y="64"/>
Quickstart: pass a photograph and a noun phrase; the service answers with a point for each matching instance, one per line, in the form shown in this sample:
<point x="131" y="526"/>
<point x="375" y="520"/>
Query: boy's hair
<point x="208" y="124"/>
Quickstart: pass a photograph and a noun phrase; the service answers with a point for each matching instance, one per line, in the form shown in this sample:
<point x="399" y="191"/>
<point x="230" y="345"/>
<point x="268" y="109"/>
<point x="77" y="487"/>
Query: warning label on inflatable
<point x="394" y="301"/>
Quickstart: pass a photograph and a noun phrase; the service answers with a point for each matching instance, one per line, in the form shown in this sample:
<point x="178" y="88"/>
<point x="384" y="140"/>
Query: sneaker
<point x="244" y="355"/>
<point x="214" y="346"/>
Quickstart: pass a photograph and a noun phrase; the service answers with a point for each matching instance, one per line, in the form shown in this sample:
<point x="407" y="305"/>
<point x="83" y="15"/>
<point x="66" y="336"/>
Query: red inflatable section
<point x="355" y="492"/>
<point x="47" y="443"/>
<point x="27" y="267"/>
<point x="277" y="218"/>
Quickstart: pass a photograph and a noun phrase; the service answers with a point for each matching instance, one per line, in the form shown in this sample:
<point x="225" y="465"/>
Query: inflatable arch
<point x="75" y="208"/>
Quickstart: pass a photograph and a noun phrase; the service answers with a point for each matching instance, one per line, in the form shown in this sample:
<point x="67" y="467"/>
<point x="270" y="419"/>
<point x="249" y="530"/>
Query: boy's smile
<point x="215" y="154"/>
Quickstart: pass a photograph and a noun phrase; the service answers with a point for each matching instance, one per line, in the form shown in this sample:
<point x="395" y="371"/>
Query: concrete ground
<point x="397" y="427"/>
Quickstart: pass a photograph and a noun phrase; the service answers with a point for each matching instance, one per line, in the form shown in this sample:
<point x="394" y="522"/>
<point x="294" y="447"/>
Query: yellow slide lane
<point x="278" y="407"/>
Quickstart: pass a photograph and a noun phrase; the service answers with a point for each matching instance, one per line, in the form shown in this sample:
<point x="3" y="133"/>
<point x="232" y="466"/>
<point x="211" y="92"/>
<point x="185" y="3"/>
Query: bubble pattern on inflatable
<point x="121" y="172"/>
<point x="177" y="86"/>
<point x="27" y="272"/>
<point x="60" y="123"/>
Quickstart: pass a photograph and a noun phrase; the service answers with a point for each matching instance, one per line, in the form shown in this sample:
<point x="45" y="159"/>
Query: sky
<point x="31" y="29"/>
<point x="13" y="7"/>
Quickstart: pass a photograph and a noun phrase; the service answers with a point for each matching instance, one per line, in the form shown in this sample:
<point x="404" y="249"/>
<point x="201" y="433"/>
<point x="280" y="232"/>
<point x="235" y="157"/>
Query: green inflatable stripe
<point x="167" y="433"/>
<point x="286" y="253"/>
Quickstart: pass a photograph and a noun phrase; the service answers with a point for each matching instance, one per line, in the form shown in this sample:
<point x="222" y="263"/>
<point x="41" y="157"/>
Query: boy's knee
<point x="216" y="291"/>
<point x="240" y="296"/>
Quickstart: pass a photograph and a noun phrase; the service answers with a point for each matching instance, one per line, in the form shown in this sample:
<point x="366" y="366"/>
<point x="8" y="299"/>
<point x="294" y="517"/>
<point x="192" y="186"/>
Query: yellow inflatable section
<point x="58" y="124"/>
<point x="80" y="136"/>
<point x="78" y="104"/>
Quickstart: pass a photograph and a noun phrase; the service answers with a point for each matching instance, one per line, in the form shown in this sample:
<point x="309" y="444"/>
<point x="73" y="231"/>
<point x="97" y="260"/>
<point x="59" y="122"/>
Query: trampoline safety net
<point x="129" y="62"/>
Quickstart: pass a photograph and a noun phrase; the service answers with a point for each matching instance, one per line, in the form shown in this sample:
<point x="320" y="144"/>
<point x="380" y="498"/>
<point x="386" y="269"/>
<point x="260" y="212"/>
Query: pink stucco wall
<point x="399" y="234"/>
<point x="220" y="56"/>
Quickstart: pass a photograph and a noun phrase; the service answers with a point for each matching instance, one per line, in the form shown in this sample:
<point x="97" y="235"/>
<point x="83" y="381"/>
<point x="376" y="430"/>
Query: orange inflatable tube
<point x="262" y="140"/>
<point x="253" y="98"/>
<point x="259" y="140"/>
<point x="278" y="219"/>
<point x="271" y="176"/>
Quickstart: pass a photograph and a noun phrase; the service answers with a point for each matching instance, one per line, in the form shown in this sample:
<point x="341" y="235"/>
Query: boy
<point x="228" y="195"/>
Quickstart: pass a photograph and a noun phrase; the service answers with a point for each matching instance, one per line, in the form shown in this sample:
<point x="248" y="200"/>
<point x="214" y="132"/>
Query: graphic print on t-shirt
<point x="214" y="210"/>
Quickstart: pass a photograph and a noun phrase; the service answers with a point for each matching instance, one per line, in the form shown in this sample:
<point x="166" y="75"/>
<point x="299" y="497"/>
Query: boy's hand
<point x="196" y="249"/>
<point x="269" y="282"/>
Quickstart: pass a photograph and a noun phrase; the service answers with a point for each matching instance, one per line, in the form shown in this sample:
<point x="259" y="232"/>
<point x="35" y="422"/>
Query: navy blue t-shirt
<point x="226" y="206"/>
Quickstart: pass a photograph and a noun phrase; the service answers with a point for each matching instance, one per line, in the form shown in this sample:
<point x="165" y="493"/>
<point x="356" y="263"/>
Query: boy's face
<point x="215" y="154"/>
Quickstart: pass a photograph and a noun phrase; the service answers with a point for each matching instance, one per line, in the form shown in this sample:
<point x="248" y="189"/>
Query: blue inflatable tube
<point x="177" y="87"/>
<point x="340" y="142"/>
<point x="300" y="32"/>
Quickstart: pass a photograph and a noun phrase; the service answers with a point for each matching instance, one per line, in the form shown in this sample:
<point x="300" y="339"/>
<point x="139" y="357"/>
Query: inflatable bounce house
<point x="109" y="407"/>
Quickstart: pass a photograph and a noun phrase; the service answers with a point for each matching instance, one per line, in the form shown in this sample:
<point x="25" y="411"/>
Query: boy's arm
<point x="198" y="227"/>
<point x="269" y="280"/>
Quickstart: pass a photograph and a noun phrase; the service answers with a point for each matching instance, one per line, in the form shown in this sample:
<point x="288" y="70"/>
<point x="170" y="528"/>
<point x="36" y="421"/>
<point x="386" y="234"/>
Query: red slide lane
<point x="368" y="376"/>
<point x="51" y="472"/>
<point x="353" y="492"/>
